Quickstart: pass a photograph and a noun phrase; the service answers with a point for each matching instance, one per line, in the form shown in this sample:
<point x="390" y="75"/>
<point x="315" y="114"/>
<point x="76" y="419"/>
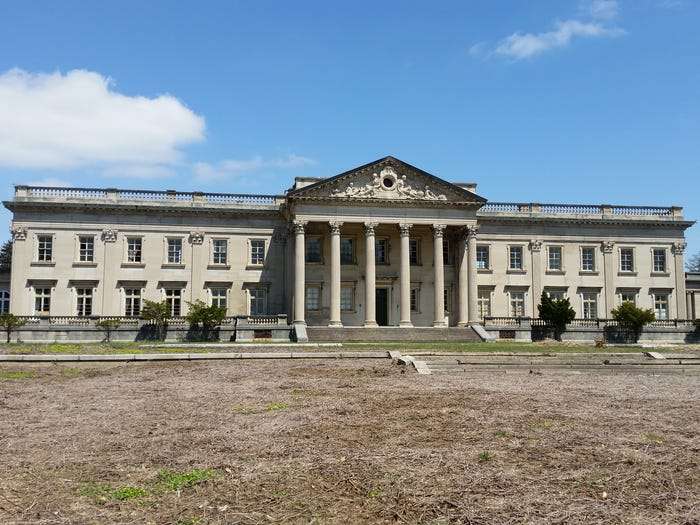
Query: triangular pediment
<point x="387" y="179"/>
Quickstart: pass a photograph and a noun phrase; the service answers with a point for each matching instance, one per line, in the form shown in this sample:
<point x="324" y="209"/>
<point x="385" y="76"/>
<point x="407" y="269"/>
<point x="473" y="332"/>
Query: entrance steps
<point x="390" y="333"/>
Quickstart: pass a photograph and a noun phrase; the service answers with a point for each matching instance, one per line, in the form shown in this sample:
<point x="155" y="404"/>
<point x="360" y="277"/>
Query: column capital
<point x="535" y="245"/>
<point x="196" y="237"/>
<point x="607" y="246"/>
<point x="109" y="235"/>
<point x="471" y="230"/>
<point x="369" y="227"/>
<point x="678" y="248"/>
<point x="298" y="226"/>
<point x="334" y="227"/>
<point x="19" y="233"/>
<point x="438" y="230"/>
<point x="405" y="229"/>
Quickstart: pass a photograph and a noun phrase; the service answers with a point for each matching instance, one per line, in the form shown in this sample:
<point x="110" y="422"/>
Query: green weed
<point x="177" y="480"/>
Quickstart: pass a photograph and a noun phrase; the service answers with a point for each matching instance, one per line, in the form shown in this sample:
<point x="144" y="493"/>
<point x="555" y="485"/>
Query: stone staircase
<point x="390" y="333"/>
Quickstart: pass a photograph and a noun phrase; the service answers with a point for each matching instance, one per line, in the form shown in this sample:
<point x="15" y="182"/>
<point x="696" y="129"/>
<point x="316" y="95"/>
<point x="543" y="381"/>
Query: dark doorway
<point x="382" y="300"/>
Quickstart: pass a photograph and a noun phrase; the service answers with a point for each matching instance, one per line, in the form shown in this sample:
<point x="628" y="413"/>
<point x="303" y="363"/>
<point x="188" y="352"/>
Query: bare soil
<point x="344" y="441"/>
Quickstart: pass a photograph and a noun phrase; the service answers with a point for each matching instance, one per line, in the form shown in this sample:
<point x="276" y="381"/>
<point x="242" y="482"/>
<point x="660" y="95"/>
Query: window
<point x="258" y="300"/>
<point x="589" y="303"/>
<point x="132" y="301"/>
<point x="516" y="258"/>
<point x="447" y="255"/>
<point x="347" y="298"/>
<point x="628" y="296"/>
<point x="482" y="257"/>
<point x="42" y="301"/>
<point x="133" y="249"/>
<point x="484" y="303"/>
<point x="219" y="251"/>
<point x="257" y="252"/>
<point x="313" y="298"/>
<point x="517" y="304"/>
<point x="626" y="260"/>
<point x="174" y="300"/>
<point x="84" y="302"/>
<point x="661" y="305"/>
<point x="313" y="250"/>
<point x="4" y="302"/>
<point x="347" y="250"/>
<point x="218" y="297"/>
<point x="588" y="259"/>
<point x="87" y="248"/>
<point x="556" y="295"/>
<point x="659" y="260"/>
<point x="415" y="299"/>
<point x="414" y="252"/>
<point x="175" y="251"/>
<point x="381" y="251"/>
<point x="45" y="248"/>
<point x="447" y="299"/>
<point x="554" y="258"/>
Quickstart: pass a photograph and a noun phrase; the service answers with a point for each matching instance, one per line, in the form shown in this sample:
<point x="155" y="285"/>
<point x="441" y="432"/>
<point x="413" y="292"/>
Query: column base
<point x="297" y="321"/>
<point x="463" y="324"/>
<point x="406" y="324"/>
<point x="439" y="324"/>
<point x="336" y="324"/>
<point x="370" y="324"/>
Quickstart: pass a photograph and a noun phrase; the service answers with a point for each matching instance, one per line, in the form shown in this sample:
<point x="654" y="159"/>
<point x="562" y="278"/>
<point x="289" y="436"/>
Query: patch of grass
<point x="375" y="492"/>
<point x="272" y="407"/>
<point x="653" y="438"/>
<point x="544" y="424"/>
<point x="9" y="375"/>
<point x="102" y="492"/>
<point x="485" y="456"/>
<point x="127" y="492"/>
<point x="244" y="410"/>
<point x="501" y="434"/>
<point x="188" y="521"/>
<point x="172" y="480"/>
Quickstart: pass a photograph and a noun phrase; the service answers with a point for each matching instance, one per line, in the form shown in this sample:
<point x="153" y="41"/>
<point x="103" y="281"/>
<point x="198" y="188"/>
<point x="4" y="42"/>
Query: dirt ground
<point x="343" y="441"/>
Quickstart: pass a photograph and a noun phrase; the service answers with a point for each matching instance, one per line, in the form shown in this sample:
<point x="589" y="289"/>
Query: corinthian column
<point x="472" y="275"/>
<point x="439" y="266"/>
<point x="463" y="283"/>
<point x="405" y="276"/>
<point x="370" y="276"/>
<point x="678" y="250"/>
<point x="609" y="270"/>
<point x="299" y="272"/>
<point x="335" y="274"/>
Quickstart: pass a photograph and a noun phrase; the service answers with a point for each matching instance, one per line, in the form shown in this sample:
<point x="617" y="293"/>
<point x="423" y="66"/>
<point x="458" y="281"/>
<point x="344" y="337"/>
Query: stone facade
<point x="382" y="244"/>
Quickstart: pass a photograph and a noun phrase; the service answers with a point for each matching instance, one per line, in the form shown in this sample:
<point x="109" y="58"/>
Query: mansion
<point x="385" y="244"/>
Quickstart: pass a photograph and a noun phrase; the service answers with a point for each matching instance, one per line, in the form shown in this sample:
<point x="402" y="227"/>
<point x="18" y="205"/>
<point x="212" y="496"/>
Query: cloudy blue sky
<point x="552" y="101"/>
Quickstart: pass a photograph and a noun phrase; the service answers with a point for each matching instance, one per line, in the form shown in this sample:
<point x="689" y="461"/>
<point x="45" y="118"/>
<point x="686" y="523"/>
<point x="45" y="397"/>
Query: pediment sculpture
<point x="387" y="184"/>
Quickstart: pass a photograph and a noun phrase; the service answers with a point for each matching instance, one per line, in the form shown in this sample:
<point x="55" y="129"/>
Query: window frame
<point x="387" y="247"/>
<point x="315" y="286"/>
<point x="171" y="301"/>
<point x="414" y="241"/>
<point x="484" y="295"/>
<point x="251" y="242"/>
<point x="487" y="247"/>
<point x="620" y="252"/>
<point x="181" y="243"/>
<point x="521" y="249"/>
<point x="353" y="250"/>
<point x="585" y="299"/>
<point x="83" y="257"/>
<point x="215" y="298"/>
<point x="594" y="269"/>
<point x="215" y="241"/>
<point x="129" y="301"/>
<point x="253" y="292"/>
<point x="511" y="300"/>
<point x="51" y="259"/>
<point x="307" y="242"/>
<point x="656" y="295"/>
<point x="127" y="250"/>
<point x="414" y="299"/>
<point x="663" y="250"/>
<point x="351" y="287"/>
<point x="45" y="298"/>
<point x="5" y="301"/>
<point x="622" y="292"/>
<point x="84" y="302"/>
<point x="448" y="255"/>
<point x="560" y="248"/>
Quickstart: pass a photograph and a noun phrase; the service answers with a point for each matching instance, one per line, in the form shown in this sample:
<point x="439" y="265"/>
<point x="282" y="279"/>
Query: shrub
<point x="556" y="312"/>
<point x="107" y="326"/>
<point x="9" y="322"/>
<point x="630" y="317"/>
<point x="159" y="313"/>
<point x="208" y="317"/>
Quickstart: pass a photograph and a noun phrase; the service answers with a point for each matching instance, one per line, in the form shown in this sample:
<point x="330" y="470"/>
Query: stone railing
<point x="584" y="323"/>
<point x="108" y="195"/>
<point x="602" y="210"/>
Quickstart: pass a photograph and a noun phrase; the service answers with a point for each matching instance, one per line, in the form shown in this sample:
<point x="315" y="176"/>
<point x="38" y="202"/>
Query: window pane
<point x="173" y="299"/>
<point x="482" y="257"/>
<point x="133" y="250"/>
<point x="588" y="259"/>
<point x="380" y="251"/>
<point x="87" y="249"/>
<point x="661" y="306"/>
<point x="659" y="260"/>
<point x="626" y="260"/>
<point x="347" y="251"/>
<point x="4" y="302"/>
<point x="414" y="299"/>
<point x="257" y="251"/>
<point x="175" y="251"/>
<point x="313" y="250"/>
<point x="220" y="249"/>
<point x="484" y="303"/>
<point x="446" y="252"/>
<point x="258" y="301"/>
<point x="590" y="305"/>
<point x="346" y="298"/>
<point x="516" y="258"/>
<point x="313" y="298"/>
<point x="45" y="248"/>
<point x="42" y="300"/>
<point x="517" y="304"/>
<point x="132" y="305"/>
<point x="84" y="301"/>
<point x="218" y="297"/>
<point x="555" y="258"/>
<point x="413" y="251"/>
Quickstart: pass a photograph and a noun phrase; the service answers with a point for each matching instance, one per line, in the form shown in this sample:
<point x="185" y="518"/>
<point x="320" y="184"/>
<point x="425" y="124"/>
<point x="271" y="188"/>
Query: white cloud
<point x="602" y="9"/>
<point x="51" y="182"/>
<point x="138" y="172"/>
<point x="74" y="120"/>
<point x="232" y="168"/>
<point x="527" y="45"/>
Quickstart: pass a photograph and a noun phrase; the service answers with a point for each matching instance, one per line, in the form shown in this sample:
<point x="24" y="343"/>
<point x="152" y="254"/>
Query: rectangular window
<point x="517" y="304"/>
<point x="218" y="297"/>
<point x="84" y="302"/>
<point x="482" y="257"/>
<point x="447" y="299"/>
<point x="381" y="251"/>
<point x="484" y="303"/>
<point x="219" y="251"/>
<point x="515" y="258"/>
<point x="258" y="300"/>
<point x="587" y="259"/>
<point x="347" y="250"/>
<point x="132" y="302"/>
<point x="257" y="252"/>
<point x="87" y="248"/>
<point x="174" y="300"/>
<point x="175" y="251"/>
<point x="447" y="252"/>
<point x="590" y="305"/>
<point x="313" y="298"/>
<point x="661" y="305"/>
<point x="659" y="260"/>
<point x="45" y="243"/>
<point x="556" y="295"/>
<point x="133" y="249"/>
<point x="347" y="298"/>
<point x="42" y="301"/>
<point x="554" y="258"/>
<point x="313" y="250"/>
<point x="415" y="299"/>
<point x="626" y="260"/>
<point x="628" y="296"/>
<point x="4" y="302"/>
<point x="414" y="252"/>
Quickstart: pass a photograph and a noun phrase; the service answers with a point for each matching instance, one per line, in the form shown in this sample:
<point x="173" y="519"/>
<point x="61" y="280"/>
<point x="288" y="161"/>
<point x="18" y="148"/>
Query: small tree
<point x="159" y="313"/>
<point x="6" y="256"/>
<point x="556" y="312"/>
<point x="629" y="316"/>
<point x="693" y="263"/>
<point x="107" y="326"/>
<point x="10" y="322"/>
<point x="209" y="317"/>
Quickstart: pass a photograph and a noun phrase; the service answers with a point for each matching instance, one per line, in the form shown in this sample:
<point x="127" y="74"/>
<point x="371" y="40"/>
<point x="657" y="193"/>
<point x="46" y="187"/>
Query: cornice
<point x="671" y="223"/>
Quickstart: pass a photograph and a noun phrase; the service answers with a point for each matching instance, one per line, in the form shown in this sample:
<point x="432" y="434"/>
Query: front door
<point x="382" y="300"/>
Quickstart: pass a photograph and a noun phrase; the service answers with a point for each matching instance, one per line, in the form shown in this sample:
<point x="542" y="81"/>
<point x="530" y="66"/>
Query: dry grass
<point x="344" y="442"/>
